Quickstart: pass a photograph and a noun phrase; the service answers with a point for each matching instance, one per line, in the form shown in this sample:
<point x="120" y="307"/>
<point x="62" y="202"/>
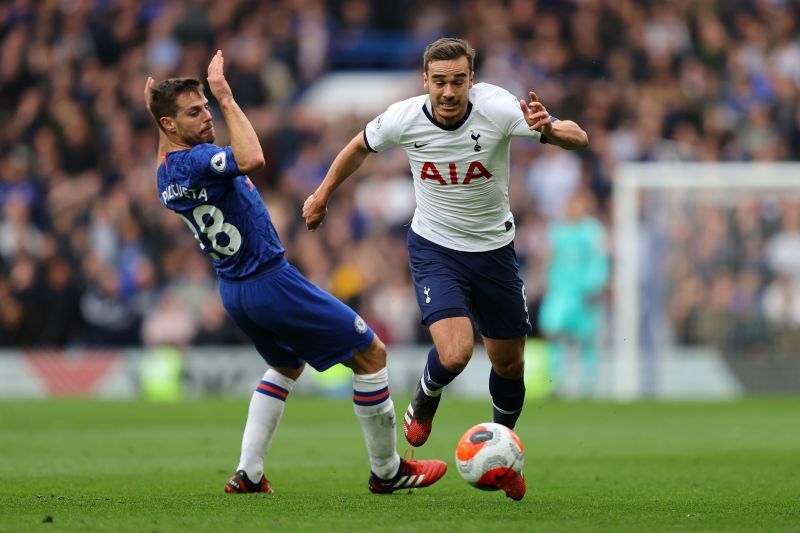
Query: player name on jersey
<point x="173" y="191"/>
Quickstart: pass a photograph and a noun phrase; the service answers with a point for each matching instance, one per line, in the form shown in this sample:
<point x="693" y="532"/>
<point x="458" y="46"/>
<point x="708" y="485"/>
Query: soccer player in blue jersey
<point x="461" y="250"/>
<point x="291" y="321"/>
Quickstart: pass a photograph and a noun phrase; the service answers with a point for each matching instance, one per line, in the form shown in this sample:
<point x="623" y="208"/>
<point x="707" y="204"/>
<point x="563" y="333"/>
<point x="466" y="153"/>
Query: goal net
<point x="706" y="277"/>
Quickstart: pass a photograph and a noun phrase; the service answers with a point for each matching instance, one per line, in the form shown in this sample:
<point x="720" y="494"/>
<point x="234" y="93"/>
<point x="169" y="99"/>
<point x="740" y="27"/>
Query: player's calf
<point x="375" y="411"/>
<point x="508" y="397"/>
<point x="418" y="420"/>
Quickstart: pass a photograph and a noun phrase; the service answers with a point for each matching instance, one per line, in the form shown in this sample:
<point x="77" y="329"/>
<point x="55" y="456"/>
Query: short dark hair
<point x="448" y="48"/>
<point x="164" y="97"/>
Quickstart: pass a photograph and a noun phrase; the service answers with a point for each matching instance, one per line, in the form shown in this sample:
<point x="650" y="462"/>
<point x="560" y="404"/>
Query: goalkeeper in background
<point x="577" y="274"/>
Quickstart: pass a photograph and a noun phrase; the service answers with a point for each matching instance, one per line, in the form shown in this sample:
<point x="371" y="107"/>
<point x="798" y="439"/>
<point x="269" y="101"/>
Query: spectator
<point x="170" y="323"/>
<point x="711" y="80"/>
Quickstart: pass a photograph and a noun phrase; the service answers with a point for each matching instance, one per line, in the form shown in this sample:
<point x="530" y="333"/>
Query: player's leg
<point x="375" y="411"/>
<point x="308" y="323"/>
<point x="506" y="379"/>
<point x="374" y="408"/>
<point x="263" y="417"/>
<point x="442" y="291"/>
<point x="452" y="350"/>
<point x="501" y="312"/>
<point x="269" y="398"/>
<point x="507" y="388"/>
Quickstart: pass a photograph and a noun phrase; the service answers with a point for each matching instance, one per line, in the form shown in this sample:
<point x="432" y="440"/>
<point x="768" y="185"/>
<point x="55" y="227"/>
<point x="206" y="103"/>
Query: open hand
<point x="216" y="79"/>
<point x="148" y="92"/>
<point x="536" y="114"/>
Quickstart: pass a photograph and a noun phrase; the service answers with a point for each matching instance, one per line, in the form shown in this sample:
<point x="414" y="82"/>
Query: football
<point x="489" y="454"/>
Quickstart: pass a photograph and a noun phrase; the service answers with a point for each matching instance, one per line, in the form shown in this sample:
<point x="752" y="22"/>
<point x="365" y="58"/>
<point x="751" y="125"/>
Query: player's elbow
<point x="252" y="163"/>
<point x="582" y="140"/>
<point x="259" y="162"/>
<point x="577" y="136"/>
<point x="569" y="136"/>
<point x="577" y="140"/>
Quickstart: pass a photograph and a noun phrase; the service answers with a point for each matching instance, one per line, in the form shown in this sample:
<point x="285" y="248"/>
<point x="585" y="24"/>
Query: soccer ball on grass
<point x="489" y="454"/>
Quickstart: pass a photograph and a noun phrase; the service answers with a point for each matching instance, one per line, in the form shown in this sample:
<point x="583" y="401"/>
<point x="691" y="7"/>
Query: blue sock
<point x="508" y="395"/>
<point x="435" y="376"/>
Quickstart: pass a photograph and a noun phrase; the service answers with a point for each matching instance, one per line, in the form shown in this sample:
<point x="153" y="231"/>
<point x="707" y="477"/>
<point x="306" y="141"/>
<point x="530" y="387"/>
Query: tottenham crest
<point x="361" y="326"/>
<point x="475" y="137"/>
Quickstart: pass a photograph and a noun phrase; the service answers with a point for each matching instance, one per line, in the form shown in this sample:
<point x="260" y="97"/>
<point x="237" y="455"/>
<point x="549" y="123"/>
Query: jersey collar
<point x="439" y="124"/>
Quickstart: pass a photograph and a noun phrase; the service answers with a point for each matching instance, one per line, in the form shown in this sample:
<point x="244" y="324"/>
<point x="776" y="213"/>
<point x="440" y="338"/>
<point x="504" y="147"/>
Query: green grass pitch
<point x="75" y="465"/>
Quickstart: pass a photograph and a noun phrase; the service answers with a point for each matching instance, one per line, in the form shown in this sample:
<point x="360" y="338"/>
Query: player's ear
<point x="168" y="124"/>
<point x="425" y="80"/>
<point x="471" y="79"/>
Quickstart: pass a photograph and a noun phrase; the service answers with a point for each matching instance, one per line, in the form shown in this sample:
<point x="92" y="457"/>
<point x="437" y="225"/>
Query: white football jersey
<point x="460" y="172"/>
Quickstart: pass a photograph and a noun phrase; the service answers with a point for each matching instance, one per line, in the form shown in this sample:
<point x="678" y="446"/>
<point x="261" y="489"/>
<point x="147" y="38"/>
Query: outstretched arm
<point x="162" y="137"/>
<point x="348" y="161"/>
<point x="244" y="141"/>
<point x="564" y="133"/>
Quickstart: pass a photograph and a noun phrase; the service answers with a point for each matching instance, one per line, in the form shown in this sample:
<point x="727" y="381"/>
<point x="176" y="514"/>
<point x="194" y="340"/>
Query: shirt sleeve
<point x="521" y="129"/>
<point x="214" y="161"/>
<point x="383" y="132"/>
<point x="505" y="110"/>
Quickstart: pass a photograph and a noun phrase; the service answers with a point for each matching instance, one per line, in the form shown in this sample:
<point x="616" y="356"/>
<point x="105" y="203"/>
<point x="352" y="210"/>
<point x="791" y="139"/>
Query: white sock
<point x="375" y="412"/>
<point x="266" y="409"/>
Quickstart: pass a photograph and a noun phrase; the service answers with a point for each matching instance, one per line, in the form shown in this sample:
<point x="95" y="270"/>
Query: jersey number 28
<point x="225" y="238"/>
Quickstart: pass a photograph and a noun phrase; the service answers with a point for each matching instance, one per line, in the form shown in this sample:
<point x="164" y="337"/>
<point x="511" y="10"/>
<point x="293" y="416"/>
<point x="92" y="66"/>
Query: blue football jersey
<point x="221" y="206"/>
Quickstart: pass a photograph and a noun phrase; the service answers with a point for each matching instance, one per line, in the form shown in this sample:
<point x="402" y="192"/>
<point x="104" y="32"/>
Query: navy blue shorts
<point x="482" y="285"/>
<point x="292" y="321"/>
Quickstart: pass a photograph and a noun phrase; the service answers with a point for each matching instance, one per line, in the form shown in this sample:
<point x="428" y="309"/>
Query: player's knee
<point x="510" y="369"/>
<point x="371" y="360"/>
<point x="455" y="356"/>
<point x="376" y="353"/>
<point x="291" y="373"/>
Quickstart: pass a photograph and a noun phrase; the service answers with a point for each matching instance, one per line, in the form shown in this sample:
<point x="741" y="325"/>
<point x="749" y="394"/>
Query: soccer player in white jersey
<point x="461" y="251"/>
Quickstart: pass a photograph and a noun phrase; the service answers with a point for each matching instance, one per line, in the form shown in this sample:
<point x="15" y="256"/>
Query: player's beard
<point x="207" y="135"/>
<point x="192" y="137"/>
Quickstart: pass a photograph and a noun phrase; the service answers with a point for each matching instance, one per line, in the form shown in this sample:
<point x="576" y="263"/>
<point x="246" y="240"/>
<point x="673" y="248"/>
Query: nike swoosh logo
<point x="420" y="145"/>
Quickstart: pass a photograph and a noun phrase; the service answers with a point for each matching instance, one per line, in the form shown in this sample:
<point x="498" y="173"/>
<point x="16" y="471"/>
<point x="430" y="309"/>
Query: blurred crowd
<point x="88" y="257"/>
<point x="732" y="273"/>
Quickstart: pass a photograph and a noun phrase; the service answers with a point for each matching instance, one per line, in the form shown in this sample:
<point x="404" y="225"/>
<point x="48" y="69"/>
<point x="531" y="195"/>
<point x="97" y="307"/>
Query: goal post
<point x="656" y="207"/>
